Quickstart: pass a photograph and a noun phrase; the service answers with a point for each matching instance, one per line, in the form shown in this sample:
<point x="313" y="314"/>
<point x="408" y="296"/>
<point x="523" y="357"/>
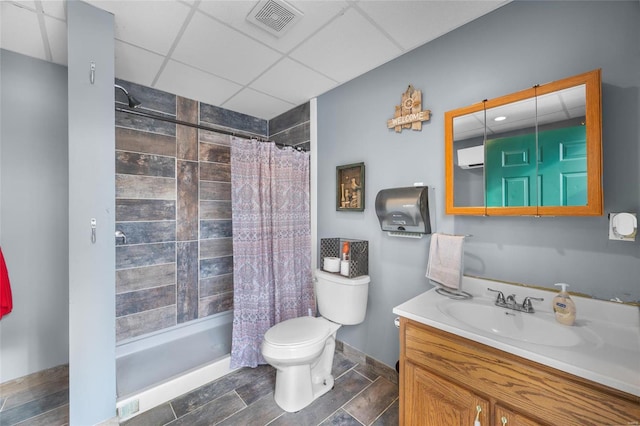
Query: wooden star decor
<point x="408" y="114"/>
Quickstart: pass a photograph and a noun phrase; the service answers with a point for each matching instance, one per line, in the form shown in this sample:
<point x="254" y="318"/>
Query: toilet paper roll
<point x="344" y="267"/>
<point x="331" y="264"/>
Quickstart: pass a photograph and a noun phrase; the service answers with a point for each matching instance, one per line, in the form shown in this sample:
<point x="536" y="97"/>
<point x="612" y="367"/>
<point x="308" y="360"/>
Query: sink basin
<point x="501" y="322"/>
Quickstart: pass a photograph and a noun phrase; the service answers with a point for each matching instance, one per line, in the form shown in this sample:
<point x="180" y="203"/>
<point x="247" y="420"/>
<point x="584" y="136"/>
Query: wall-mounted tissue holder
<point x="623" y="226"/>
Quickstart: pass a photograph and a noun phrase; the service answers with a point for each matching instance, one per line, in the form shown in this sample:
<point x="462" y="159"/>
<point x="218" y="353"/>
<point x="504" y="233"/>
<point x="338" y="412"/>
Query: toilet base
<point x="299" y="385"/>
<point x="294" y="391"/>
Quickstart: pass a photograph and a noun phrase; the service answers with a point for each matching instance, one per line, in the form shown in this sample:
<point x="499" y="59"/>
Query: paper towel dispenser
<point x="404" y="209"/>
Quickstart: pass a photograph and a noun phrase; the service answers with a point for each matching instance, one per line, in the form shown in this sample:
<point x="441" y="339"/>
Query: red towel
<point x="5" y="288"/>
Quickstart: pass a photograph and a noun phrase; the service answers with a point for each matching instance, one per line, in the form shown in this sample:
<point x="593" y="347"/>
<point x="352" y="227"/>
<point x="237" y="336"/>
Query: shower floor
<point x="147" y="368"/>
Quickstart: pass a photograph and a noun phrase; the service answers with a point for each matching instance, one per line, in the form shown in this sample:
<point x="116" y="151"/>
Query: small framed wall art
<point x="350" y="187"/>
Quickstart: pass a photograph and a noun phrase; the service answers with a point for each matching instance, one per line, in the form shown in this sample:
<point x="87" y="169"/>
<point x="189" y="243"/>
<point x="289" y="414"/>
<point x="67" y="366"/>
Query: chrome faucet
<point x="527" y="306"/>
<point x="510" y="302"/>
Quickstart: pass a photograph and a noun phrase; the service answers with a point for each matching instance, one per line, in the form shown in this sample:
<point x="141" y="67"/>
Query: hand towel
<point x="445" y="260"/>
<point x="6" y="304"/>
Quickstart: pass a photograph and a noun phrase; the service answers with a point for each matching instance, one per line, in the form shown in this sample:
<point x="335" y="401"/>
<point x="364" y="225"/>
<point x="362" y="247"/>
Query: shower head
<point x="133" y="102"/>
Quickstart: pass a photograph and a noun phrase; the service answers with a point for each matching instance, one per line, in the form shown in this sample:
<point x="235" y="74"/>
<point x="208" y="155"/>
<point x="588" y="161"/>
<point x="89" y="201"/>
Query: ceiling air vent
<point x="274" y="16"/>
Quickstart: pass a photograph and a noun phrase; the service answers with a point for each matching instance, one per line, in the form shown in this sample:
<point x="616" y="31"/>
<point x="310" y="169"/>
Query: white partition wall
<point x="92" y="378"/>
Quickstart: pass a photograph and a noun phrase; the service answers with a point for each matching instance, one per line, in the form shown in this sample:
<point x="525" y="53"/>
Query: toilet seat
<point x="298" y="331"/>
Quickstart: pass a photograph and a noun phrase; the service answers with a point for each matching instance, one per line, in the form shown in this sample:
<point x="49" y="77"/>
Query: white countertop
<point x="608" y="352"/>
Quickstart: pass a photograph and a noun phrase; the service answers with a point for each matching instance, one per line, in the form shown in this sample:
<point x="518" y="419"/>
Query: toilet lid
<point x="297" y="331"/>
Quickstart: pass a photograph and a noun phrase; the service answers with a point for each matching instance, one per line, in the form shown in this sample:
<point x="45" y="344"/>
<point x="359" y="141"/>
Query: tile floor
<point x="40" y="399"/>
<point x="363" y="395"/>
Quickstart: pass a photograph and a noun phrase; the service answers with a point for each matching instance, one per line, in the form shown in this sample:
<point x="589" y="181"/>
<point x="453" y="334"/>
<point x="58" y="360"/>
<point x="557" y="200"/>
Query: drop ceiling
<point x="207" y="50"/>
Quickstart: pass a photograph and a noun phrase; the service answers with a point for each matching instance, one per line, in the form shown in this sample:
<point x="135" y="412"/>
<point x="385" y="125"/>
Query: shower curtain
<point x="272" y="276"/>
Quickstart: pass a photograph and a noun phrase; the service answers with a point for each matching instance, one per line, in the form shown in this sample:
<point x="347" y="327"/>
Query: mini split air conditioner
<point x="471" y="158"/>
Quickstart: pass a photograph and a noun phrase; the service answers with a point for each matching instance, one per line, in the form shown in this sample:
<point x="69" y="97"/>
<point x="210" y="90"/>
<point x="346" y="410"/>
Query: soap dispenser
<point x="563" y="306"/>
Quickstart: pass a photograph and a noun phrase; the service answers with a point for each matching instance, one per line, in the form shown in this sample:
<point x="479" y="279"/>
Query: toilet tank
<point x="340" y="299"/>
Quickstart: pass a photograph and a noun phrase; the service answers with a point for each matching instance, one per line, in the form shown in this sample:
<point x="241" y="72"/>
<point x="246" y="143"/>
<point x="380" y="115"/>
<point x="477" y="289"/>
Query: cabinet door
<point x="506" y="417"/>
<point x="433" y="401"/>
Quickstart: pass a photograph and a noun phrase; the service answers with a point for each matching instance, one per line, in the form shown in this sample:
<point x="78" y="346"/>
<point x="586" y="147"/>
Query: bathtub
<point x="158" y="367"/>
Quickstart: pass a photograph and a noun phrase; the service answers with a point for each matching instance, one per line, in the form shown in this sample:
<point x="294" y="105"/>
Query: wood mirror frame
<point x="593" y="134"/>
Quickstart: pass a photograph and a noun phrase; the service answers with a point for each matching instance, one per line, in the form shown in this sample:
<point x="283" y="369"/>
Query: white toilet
<point x="301" y="349"/>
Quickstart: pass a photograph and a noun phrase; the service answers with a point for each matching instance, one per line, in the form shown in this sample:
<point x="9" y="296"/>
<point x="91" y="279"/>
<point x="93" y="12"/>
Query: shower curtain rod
<point x="142" y="113"/>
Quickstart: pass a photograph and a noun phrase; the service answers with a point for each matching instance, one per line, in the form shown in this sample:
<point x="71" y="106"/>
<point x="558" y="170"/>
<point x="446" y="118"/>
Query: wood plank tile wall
<point x="173" y="202"/>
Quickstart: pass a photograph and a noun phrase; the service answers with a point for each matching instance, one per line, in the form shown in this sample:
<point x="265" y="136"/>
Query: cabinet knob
<point x="503" y="420"/>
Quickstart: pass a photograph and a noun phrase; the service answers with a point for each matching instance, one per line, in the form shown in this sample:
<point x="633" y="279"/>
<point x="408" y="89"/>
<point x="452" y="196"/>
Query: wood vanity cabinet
<point x="445" y="379"/>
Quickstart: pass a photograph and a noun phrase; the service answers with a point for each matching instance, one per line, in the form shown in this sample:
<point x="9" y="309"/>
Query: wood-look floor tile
<point x="34" y="408"/>
<point x="341" y="418"/>
<point x="212" y="412"/>
<point x="368" y="405"/>
<point x="257" y="389"/>
<point x="349" y="384"/>
<point x="341" y="364"/>
<point x="56" y="417"/>
<point x="391" y="416"/>
<point x="28" y="383"/>
<point x="260" y="412"/>
<point x="157" y="416"/>
<point x="207" y="393"/>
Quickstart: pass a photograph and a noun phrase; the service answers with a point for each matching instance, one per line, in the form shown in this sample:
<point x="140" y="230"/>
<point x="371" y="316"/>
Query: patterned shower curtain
<point x="272" y="276"/>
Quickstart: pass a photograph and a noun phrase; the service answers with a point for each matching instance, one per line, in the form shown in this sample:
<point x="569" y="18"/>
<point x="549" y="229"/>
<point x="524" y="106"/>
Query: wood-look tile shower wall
<point x="173" y="202"/>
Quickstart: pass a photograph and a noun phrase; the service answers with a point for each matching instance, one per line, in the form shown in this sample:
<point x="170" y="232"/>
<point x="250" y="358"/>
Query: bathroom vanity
<point x="467" y="360"/>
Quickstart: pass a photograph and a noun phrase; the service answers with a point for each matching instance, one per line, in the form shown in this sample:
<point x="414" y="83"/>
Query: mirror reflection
<point x="527" y="152"/>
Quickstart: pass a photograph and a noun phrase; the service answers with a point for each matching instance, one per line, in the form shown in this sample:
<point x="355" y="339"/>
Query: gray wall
<point x="512" y="48"/>
<point x="92" y="378"/>
<point x="33" y="211"/>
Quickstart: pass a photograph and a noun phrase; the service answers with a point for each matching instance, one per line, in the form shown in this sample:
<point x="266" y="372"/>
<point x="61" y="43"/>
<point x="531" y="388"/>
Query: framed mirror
<point x="533" y="152"/>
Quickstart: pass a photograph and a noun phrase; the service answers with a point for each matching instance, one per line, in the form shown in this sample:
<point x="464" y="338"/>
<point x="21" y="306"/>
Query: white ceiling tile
<point x="195" y="84"/>
<point x="28" y="4"/>
<point x="217" y="49"/>
<point x="55" y="9"/>
<point x="135" y="64"/>
<point x="347" y="47"/>
<point x="20" y="31"/>
<point x="290" y="81"/>
<point x="315" y="15"/>
<point x="257" y="104"/>
<point x="57" y="33"/>
<point x="430" y="19"/>
<point x="152" y="25"/>
<point x="220" y="51"/>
